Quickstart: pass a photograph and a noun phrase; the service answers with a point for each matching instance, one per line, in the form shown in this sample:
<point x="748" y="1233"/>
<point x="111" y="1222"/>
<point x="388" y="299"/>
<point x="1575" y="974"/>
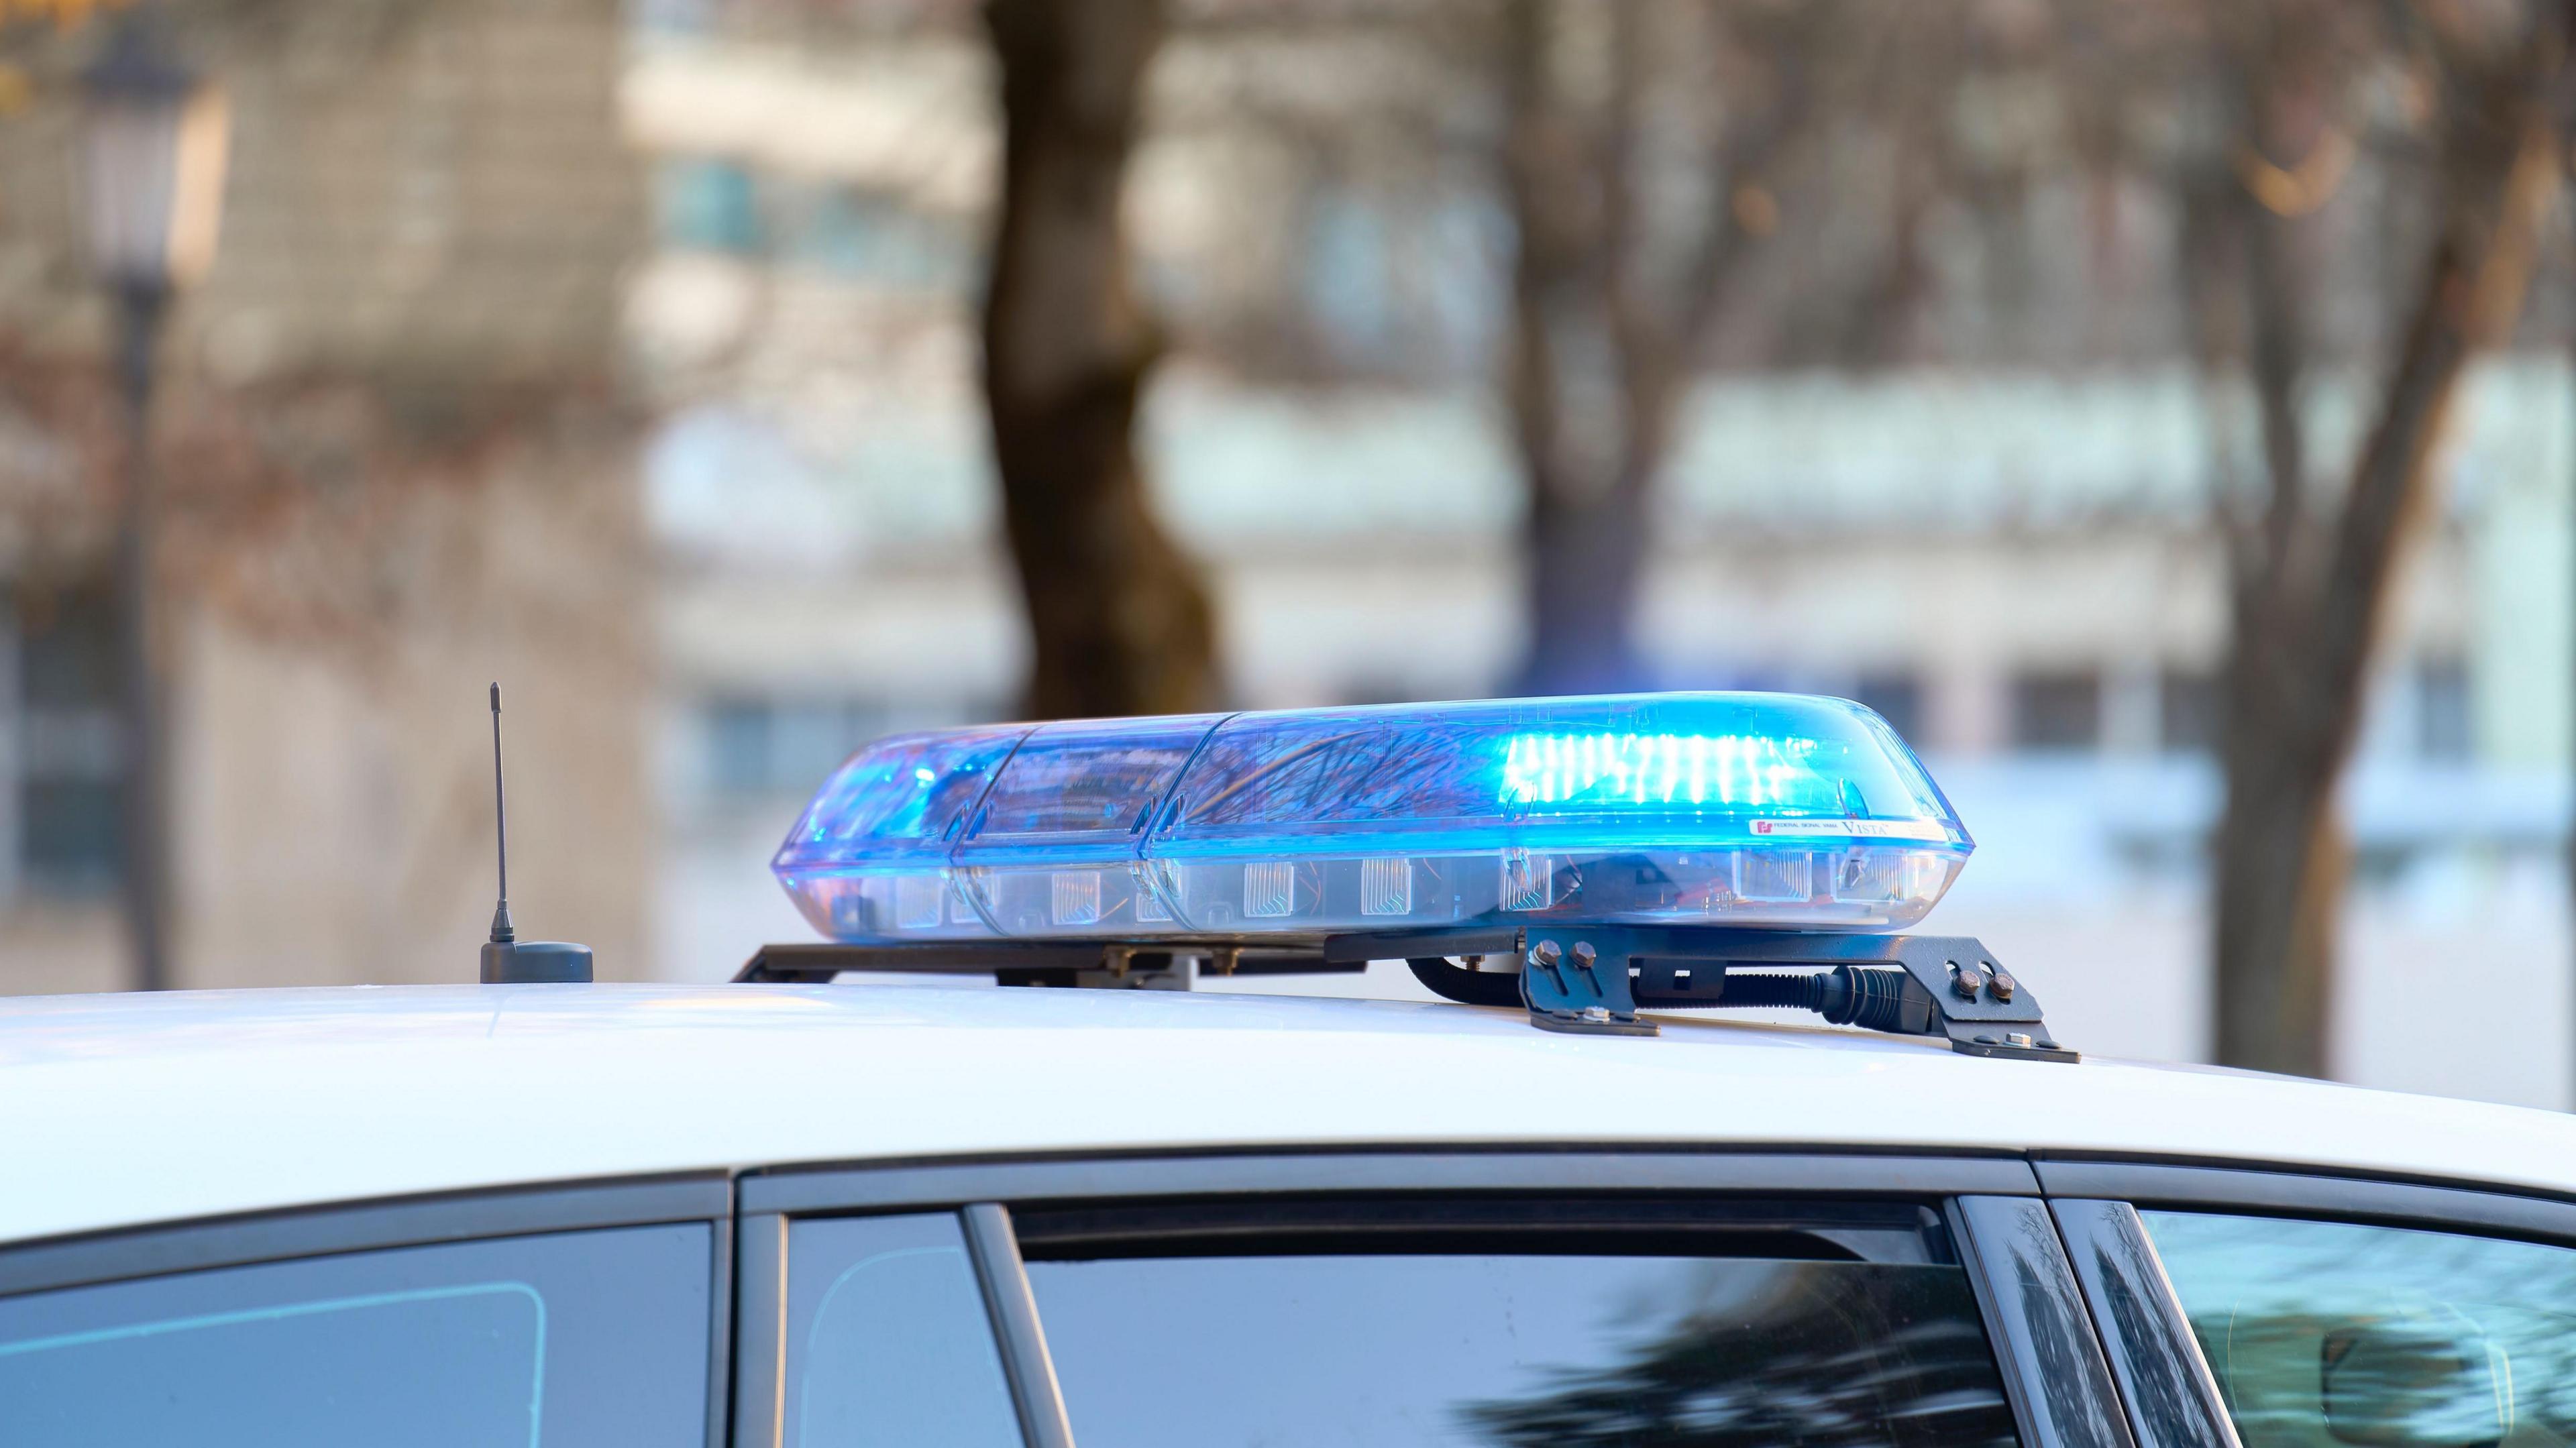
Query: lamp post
<point x="153" y="159"/>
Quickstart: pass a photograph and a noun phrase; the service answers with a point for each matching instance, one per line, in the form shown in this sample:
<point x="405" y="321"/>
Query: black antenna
<point x="502" y="933"/>
<point x="508" y="960"/>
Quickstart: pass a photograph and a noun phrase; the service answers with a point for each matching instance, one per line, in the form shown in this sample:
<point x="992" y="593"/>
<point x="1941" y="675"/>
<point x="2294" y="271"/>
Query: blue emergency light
<point x="1767" y="811"/>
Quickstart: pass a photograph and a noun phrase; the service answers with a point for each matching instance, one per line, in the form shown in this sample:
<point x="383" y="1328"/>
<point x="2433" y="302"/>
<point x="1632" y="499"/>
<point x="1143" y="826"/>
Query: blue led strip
<point x="1768" y="810"/>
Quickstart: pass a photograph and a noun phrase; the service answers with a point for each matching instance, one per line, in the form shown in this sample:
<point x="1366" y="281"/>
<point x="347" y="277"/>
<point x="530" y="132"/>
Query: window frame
<point x="2461" y="1208"/>
<point x="935" y="1184"/>
<point x="2166" y="1387"/>
<point x="2027" y="1289"/>
<point x="983" y="1192"/>
<point x="749" y="1214"/>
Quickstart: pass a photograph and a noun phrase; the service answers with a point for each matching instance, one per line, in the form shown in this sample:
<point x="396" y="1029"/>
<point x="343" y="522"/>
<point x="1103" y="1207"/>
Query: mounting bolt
<point x="1965" y="980"/>
<point x="1544" y="956"/>
<point x="2002" y="985"/>
<point x="1584" y="954"/>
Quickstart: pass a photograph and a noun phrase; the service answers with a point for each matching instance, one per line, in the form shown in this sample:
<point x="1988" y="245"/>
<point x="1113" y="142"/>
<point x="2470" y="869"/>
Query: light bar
<point x="1760" y="810"/>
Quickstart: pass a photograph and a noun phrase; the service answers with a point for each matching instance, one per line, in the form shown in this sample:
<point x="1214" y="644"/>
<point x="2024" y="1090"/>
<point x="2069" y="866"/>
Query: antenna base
<point x="536" y="962"/>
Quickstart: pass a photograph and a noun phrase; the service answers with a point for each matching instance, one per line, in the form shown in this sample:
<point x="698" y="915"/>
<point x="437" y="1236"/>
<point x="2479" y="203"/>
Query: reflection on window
<point x="486" y="1340"/>
<point x="567" y="1340"/>
<point x="888" y="1345"/>
<point x="1518" y="1350"/>
<point x="2325" y="1333"/>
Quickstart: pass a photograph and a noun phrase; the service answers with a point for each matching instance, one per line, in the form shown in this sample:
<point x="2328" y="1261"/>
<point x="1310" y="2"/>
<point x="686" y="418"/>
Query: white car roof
<point x="124" y="1110"/>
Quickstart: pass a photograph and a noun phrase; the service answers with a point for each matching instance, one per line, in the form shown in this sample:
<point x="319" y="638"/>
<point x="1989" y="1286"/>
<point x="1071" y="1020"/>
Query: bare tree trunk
<point x="1601" y="357"/>
<point x="2311" y="600"/>
<point x="1584" y="535"/>
<point x="1595" y="369"/>
<point x="1120" y="619"/>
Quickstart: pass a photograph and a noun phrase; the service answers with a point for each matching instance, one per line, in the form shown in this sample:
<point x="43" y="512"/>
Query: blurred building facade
<point x="394" y="460"/>
<point x="2002" y="540"/>
<point x="628" y="354"/>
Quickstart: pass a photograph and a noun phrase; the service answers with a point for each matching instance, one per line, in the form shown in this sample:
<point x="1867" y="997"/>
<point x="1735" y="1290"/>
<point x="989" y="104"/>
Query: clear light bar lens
<point x="1386" y="887"/>
<point x="1269" y="890"/>
<point x="868" y="860"/>
<point x="1739" y="809"/>
<point x="1053" y="847"/>
<point x="920" y="902"/>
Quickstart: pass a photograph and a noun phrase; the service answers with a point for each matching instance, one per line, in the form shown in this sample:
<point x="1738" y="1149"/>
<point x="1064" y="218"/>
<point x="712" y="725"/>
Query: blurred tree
<point x="1607" y="110"/>
<point x="1593" y="368"/>
<point x="2247" y="118"/>
<point x="2309" y="569"/>
<point x="1119" y="616"/>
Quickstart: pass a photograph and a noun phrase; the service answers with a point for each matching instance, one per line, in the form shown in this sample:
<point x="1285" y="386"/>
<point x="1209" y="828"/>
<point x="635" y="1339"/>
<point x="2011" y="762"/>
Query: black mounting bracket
<point x="1127" y="964"/>
<point x="1577" y="980"/>
<point x="1590" y="979"/>
<point x="1596" y="978"/>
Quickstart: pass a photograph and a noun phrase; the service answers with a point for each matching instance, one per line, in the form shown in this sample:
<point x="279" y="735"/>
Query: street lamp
<point x="153" y="143"/>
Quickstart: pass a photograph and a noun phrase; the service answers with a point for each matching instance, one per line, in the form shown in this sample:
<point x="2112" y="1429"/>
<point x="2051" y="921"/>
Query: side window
<point x="888" y="1344"/>
<point x="2327" y="1333"/>
<point x="1511" y="1324"/>
<point x="569" y="1340"/>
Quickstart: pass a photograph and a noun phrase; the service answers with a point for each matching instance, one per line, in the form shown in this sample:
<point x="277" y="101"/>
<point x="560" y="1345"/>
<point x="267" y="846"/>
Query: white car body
<point x="119" y="1112"/>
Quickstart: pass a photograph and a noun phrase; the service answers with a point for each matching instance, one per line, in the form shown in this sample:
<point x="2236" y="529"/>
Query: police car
<point x="1573" y="1204"/>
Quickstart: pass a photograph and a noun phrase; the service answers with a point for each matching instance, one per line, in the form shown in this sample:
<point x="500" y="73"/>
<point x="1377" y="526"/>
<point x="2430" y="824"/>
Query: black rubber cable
<point x="1847" y="995"/>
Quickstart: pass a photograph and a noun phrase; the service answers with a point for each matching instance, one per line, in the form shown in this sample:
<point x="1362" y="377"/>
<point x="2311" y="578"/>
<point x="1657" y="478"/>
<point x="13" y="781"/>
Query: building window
<point x="2442" y="715"/>
<point x="738" y="744"/>
<point x="709" y="204"/>
<point x="67" y="754"/>
<point x="2187" y="710"/>
<point x="1346" y="282"/>
<point x="1898" y="698"/>
<point x="870" y="237"/>
<point x="2057" y="710"/>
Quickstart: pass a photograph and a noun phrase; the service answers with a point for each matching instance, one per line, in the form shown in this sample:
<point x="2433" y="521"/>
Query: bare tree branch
<point x="2311" y="603"/>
